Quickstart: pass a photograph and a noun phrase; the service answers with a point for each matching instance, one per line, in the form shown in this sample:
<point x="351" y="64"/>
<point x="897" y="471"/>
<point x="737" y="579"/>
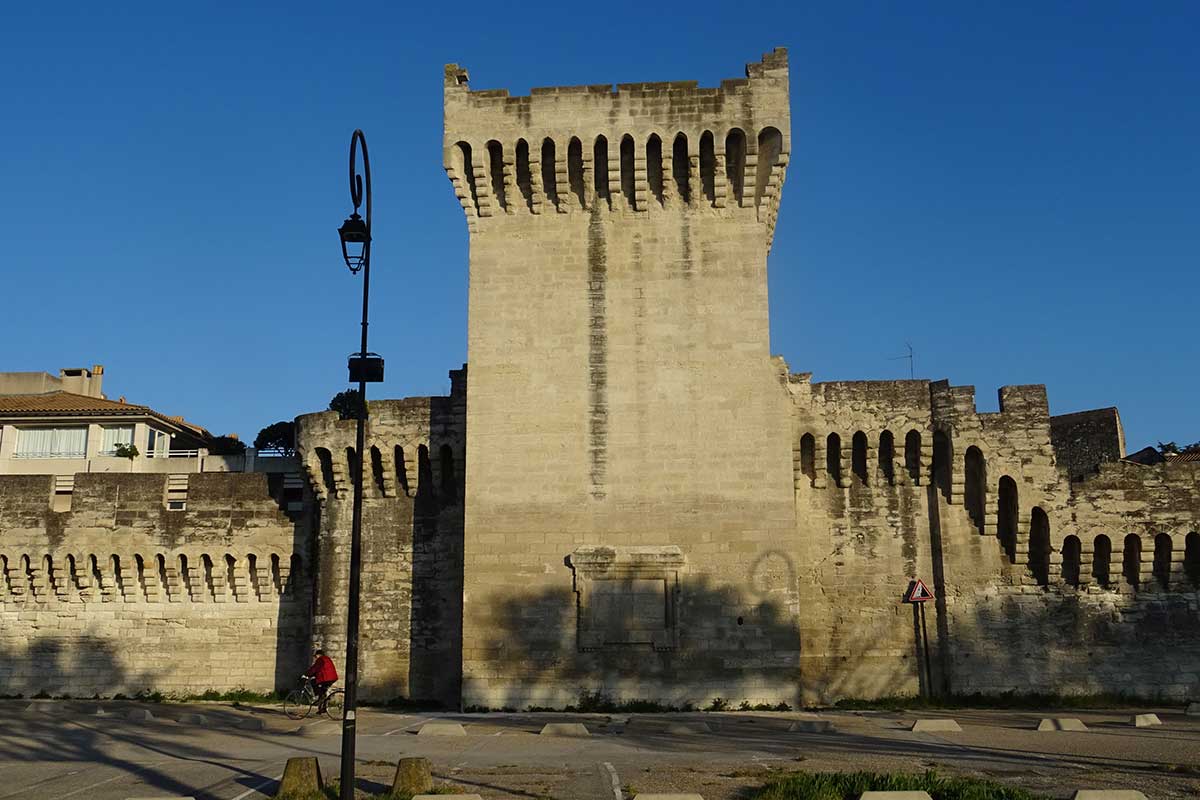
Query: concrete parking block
<point x="139" y="715"/>
<point x="1146" y="720"/>
<point x="413" y="775"/>
<point x="1062" y="724"/>
<point x="192" y="719"/>
<point x="1108" y="794"/>
<point x="251" y="724"/>
<point x="810" y="723"/>
<point x="935" y="726"/>
<point x="442" y="729"/>
<point x="1193" y="710"/>
<point x="668" y="796"/>
<point x="302" y="777"/>
<point x="564" y="729"/>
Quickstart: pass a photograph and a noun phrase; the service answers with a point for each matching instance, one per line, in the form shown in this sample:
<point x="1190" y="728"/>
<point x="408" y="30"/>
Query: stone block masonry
<point x="410" y="618"/>
<point x="658" y="508"/>
<point x="122" y="595"/>
<point x="622" y="396"/>
<point x="638" y="498"/>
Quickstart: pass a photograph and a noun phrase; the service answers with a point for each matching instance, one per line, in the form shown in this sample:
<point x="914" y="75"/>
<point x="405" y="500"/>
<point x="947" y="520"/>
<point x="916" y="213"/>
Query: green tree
<point x="279" y="436"/>
<point x="226" y="446"/>
<point x="346" y="403"/>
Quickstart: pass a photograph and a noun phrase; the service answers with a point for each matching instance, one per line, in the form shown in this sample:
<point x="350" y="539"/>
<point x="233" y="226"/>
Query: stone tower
<point x="628" y="463"/>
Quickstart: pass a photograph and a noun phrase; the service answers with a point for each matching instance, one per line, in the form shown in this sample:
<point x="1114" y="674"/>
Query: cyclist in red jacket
<point x="322" y="672"/>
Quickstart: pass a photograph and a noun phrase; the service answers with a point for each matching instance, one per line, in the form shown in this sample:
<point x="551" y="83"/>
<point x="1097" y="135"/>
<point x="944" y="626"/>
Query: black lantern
<point x="366" y="368"/>
<point x="355" y="237"/>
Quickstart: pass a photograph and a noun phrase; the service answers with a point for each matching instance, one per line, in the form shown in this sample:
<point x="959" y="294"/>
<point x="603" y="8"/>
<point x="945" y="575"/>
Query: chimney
<point x="79" y="380"/>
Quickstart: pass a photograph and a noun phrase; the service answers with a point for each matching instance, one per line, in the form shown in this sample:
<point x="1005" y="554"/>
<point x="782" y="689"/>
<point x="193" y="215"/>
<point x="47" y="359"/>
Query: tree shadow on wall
<point x="70" y="731"/>
<point x="1064" y="642"/>
<point x="725" y="642"/>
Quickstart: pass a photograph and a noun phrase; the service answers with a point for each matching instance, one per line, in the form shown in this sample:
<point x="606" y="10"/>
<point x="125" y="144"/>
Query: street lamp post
<point x="365" y="368"/>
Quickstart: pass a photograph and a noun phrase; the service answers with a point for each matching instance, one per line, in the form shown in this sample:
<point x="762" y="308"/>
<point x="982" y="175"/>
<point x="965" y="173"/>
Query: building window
<point x="158" y="444"/>
<point x="51" y="443"/>
<point x="121" y="434"/>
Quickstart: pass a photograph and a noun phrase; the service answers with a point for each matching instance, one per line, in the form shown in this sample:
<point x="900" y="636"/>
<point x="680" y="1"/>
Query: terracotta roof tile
<point x="67" y="403"/>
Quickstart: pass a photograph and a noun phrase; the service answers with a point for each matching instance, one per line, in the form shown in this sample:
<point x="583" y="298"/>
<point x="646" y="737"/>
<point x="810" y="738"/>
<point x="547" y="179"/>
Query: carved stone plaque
<point x="626" y="596"/>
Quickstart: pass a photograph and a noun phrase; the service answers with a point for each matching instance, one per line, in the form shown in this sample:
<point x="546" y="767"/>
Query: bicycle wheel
<point x="335" y="704"/>
<point x="296" y="705"/>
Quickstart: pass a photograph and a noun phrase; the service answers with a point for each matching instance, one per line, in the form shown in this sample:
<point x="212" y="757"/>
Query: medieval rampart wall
<point x="121" y="594"/>
<point x="411" y="611"/>
<point x="1041" y="584"/>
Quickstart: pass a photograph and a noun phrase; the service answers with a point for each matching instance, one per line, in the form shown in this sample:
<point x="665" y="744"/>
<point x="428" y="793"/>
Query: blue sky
<point x="1013" y="188"/>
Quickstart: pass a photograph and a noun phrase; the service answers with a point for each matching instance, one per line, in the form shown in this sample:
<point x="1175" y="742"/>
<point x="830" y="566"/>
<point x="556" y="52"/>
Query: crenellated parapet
<point x="412" y="446"/>
<point x="92" y="573"/>
<point x="641" y="149"/>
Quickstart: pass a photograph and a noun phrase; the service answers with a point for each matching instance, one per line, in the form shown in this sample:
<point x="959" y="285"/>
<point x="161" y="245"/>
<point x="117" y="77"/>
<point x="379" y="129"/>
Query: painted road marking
<point x="249" y="792"/>
<point x="616" y="782"/>
<point x="406" y="727"/>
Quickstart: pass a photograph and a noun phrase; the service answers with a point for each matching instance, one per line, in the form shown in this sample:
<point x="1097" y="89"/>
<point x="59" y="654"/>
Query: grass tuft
<point x="849" y="785"/>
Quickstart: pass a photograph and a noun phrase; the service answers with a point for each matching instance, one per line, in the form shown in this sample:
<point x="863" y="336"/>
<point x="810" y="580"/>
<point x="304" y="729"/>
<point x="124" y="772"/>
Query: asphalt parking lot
<point x="64" y="749"/>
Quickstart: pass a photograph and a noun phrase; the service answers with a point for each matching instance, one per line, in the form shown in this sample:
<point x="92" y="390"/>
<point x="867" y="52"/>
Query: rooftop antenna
<point x="909" y="357"/>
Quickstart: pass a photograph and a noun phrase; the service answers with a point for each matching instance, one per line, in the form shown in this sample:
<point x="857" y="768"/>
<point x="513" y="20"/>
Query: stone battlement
<point x="642" y="149"/>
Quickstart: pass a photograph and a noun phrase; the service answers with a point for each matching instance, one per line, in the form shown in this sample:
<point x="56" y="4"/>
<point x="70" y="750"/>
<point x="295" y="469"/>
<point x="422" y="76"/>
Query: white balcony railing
<point x="50" y="454"/>
<point x="174" y="454"/>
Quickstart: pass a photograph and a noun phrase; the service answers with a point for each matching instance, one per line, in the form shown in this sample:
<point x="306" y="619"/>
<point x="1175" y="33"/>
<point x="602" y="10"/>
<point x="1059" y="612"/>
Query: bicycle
<point x="301" y="702"/>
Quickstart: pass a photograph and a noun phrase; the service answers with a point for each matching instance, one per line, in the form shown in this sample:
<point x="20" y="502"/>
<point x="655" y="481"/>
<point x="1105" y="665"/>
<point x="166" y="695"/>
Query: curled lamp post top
<point x="356" y="180"/>
<point x="355" y="232"/>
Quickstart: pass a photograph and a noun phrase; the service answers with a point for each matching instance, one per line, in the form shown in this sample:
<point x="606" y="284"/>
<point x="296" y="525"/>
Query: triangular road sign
<point x="918" y="592"/>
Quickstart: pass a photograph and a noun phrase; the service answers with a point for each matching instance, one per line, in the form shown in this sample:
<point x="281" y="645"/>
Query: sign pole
<point x="925" y="646"/>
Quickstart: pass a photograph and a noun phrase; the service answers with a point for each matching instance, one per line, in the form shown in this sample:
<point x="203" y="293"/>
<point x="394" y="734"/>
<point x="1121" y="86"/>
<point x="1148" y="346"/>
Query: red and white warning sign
<point x="918" y="592"/>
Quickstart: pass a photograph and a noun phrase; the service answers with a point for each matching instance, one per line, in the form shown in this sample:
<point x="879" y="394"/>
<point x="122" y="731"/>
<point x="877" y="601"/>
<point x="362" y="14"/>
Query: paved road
<point x="65" y="749"/>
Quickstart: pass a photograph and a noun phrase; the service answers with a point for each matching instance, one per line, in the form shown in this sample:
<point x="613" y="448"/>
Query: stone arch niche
<point x="770" y="147"/>
<point x="943" y="463"/>
<point x="575" y="170"/>
<point x="654" y="167"/>
<point x="524" y="177"/>
<point x="1102" y="560"/>
<point x="1071" y="553"/>
<point x="708" y="167"/>
<point x="912" y="455"/>
<point x="1163" y="548"/>
<point x="600" y="170"/>
<point x="858" y="457"/>
<point x="808" y="451"/>
<point x="681" y="168"/>
<point x="975" y="485"/>
<point x="833" y="458"/>
<point x="887" y="456"/>
<point x="628" y="167"/>
<point x="549" y="177"/>
<point x="496" y="173"/>
<point x="1131" y="565"/>
<point x="735" y="163"/>
<point x="1007" y="511"/>
<point x="1039" y="546"/>
<point x="464" y="165"/>
<point x="1191" y="558"/>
